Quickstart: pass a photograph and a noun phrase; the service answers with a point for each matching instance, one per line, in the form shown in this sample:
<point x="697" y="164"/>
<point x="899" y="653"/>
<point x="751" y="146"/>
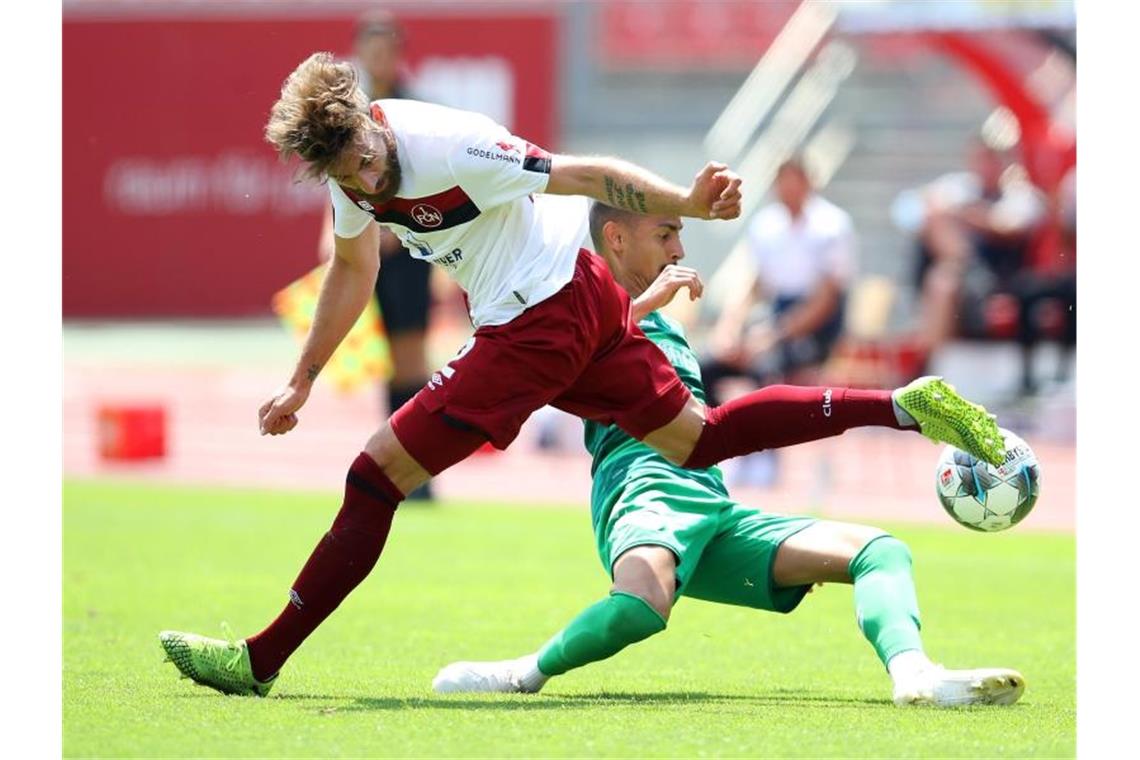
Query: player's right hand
<point x="278" y="415"/>
<point x="715" y="193"/>
<point x="665" y="287"/>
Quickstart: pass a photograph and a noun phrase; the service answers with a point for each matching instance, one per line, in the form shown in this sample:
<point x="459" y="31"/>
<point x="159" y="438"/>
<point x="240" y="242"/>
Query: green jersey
<point x="619" y="458"/>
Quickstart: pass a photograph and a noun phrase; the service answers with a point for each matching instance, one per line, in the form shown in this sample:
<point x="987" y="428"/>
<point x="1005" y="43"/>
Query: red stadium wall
<point x="173" y="205"/>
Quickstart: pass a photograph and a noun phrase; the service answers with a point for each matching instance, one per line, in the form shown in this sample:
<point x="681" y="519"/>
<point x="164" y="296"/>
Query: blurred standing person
<point x="404" y="291"/>
<point x="803" y="250"/>
<point x="974" y="233"/>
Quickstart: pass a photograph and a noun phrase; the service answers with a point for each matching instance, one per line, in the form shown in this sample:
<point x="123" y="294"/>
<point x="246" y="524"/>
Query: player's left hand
<point x="715" y="193"/>
<point x="665" y="287"/>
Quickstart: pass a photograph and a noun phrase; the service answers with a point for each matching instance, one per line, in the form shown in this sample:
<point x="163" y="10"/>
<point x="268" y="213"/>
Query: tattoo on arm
<point x="314" y="370"/>
<point x="629" y="197"/>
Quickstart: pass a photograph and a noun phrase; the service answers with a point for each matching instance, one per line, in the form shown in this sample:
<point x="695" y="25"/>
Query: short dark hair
<point x="600" y="213"/>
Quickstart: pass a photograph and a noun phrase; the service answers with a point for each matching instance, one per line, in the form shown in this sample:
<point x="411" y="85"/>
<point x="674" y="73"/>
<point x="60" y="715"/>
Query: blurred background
<point x="942" y="135"/>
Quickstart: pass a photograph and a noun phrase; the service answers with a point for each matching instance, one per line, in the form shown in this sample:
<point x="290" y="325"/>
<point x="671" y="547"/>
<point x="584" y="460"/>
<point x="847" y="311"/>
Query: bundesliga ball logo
<point x="987" y="498"/>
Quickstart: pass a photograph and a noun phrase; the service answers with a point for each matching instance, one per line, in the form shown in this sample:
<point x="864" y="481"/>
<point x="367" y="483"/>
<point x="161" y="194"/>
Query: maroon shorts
<point x="578" y="350"/>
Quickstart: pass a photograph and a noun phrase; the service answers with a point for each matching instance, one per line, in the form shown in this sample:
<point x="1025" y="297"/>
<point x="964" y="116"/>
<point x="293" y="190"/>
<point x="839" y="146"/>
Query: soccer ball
<point x="987" y="498"/>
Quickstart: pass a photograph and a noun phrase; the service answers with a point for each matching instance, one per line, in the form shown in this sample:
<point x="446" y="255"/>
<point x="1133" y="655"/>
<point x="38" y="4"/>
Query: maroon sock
<point x="343" y="558"/>
<point x="784" y="415"/>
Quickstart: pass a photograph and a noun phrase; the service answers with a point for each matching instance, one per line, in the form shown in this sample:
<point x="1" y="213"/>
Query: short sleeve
<point x="349" y="220"/>
<point x="495" y="167"/>
<point x="759" y="240"/>
<point x="839" y="258"/>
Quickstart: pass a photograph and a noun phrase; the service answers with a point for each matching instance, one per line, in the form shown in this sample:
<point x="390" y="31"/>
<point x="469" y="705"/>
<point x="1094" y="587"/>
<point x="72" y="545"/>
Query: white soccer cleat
<point x="507" y="676"/>
<point x="940" y="687"/>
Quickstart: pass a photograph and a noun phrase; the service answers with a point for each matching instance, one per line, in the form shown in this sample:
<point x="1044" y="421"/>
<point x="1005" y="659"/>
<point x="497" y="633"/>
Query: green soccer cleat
<point x="219" y="664"/>
<point x="943" y="416"/>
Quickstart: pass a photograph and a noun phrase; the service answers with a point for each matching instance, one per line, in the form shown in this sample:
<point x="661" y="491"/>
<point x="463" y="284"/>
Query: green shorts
<point x="724" y="550"/>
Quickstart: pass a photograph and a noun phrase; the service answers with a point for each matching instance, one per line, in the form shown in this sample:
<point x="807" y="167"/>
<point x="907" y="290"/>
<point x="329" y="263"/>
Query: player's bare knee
<point x="661" y="603"/>
<point x="885" y="544"/>
<point x="648" y="573"/>
<point x="394" y="460"/>
<point x="858" y="537"/>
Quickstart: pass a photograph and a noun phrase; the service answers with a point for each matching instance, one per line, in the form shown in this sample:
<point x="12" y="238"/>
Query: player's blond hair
<point x="321" y="111"/>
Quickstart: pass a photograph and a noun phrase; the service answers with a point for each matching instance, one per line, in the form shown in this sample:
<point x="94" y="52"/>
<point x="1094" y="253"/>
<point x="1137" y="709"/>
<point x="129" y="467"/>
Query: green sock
<point x="885" y="602"/>
<point x="601" y="630"/>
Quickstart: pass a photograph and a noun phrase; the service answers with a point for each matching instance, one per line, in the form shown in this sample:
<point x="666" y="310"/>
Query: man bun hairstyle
<point x="321" y="111"/>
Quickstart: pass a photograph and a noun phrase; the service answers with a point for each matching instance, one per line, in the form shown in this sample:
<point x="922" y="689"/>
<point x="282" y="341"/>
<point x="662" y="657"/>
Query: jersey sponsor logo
<point x="480" y="153"/>
<point x="450" y="261"/>
<point x="507" y="147"/>
<point x="428" y="216"/>
<point x="364" y="205"/>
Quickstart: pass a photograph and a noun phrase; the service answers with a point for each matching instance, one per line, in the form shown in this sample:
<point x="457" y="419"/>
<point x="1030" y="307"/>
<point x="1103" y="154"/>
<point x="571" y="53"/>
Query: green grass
<point x="473" y="581"/>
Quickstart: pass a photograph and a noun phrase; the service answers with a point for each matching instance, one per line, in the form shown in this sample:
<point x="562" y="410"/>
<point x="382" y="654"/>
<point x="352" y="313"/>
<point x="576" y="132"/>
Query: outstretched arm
<point x="345" y="292"/>
<point x="714" y="194"/>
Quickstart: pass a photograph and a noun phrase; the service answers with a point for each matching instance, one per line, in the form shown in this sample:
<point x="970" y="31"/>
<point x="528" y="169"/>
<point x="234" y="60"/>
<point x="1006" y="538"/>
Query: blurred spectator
<point x="404" y="285"/>
<point x="1047" y="297"/>
<point x="974" y="230"/>
<point x="803" y="252"/>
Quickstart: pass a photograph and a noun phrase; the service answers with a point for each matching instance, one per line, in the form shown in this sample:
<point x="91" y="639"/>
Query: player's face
<point x="654" y="243"/>
<point x="370" y="167"/>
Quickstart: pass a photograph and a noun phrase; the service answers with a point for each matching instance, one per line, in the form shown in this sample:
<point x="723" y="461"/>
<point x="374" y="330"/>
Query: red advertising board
<point x="175" y="206"/>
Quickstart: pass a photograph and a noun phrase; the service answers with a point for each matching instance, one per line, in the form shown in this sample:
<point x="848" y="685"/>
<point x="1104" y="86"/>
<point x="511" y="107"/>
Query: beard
<point x="392" y="172"/>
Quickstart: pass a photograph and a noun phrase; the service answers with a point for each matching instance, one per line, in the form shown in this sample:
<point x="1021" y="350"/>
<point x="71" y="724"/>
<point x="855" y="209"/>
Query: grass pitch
<point x="473" y="581"/>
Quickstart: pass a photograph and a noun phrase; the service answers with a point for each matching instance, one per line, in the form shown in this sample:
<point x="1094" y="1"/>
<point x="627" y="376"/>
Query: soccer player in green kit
<point x="664" y="531"/>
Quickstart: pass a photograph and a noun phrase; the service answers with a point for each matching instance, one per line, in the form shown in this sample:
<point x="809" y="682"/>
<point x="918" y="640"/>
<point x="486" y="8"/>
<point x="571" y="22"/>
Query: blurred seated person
<point x="974" y="232"/>
<point x="1047" y="295"/>
<point x="803" y="252"/>
<point x="403" y="288"/>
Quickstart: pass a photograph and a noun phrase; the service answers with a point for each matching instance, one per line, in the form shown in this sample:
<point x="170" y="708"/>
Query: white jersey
<point x="466" y="203"/>
<point x="792" y="256"/>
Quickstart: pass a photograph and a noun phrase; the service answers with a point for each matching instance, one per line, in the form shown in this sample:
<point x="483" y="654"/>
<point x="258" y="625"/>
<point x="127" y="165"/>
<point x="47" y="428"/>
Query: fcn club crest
<point x="427" y="216"/>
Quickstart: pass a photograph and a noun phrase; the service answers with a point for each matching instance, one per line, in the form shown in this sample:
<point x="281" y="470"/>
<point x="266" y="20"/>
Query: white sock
<point x="902" y="415"/>
<point x="531" y="678"/>
<point x="905" y="665"/>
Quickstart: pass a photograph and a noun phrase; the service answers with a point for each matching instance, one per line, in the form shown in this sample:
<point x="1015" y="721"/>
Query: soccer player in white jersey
<point x="551" y="327"/>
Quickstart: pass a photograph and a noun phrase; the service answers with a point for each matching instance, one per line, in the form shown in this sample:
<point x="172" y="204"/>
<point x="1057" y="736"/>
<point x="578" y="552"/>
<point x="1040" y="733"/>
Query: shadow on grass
<point x="518" y="702"/>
